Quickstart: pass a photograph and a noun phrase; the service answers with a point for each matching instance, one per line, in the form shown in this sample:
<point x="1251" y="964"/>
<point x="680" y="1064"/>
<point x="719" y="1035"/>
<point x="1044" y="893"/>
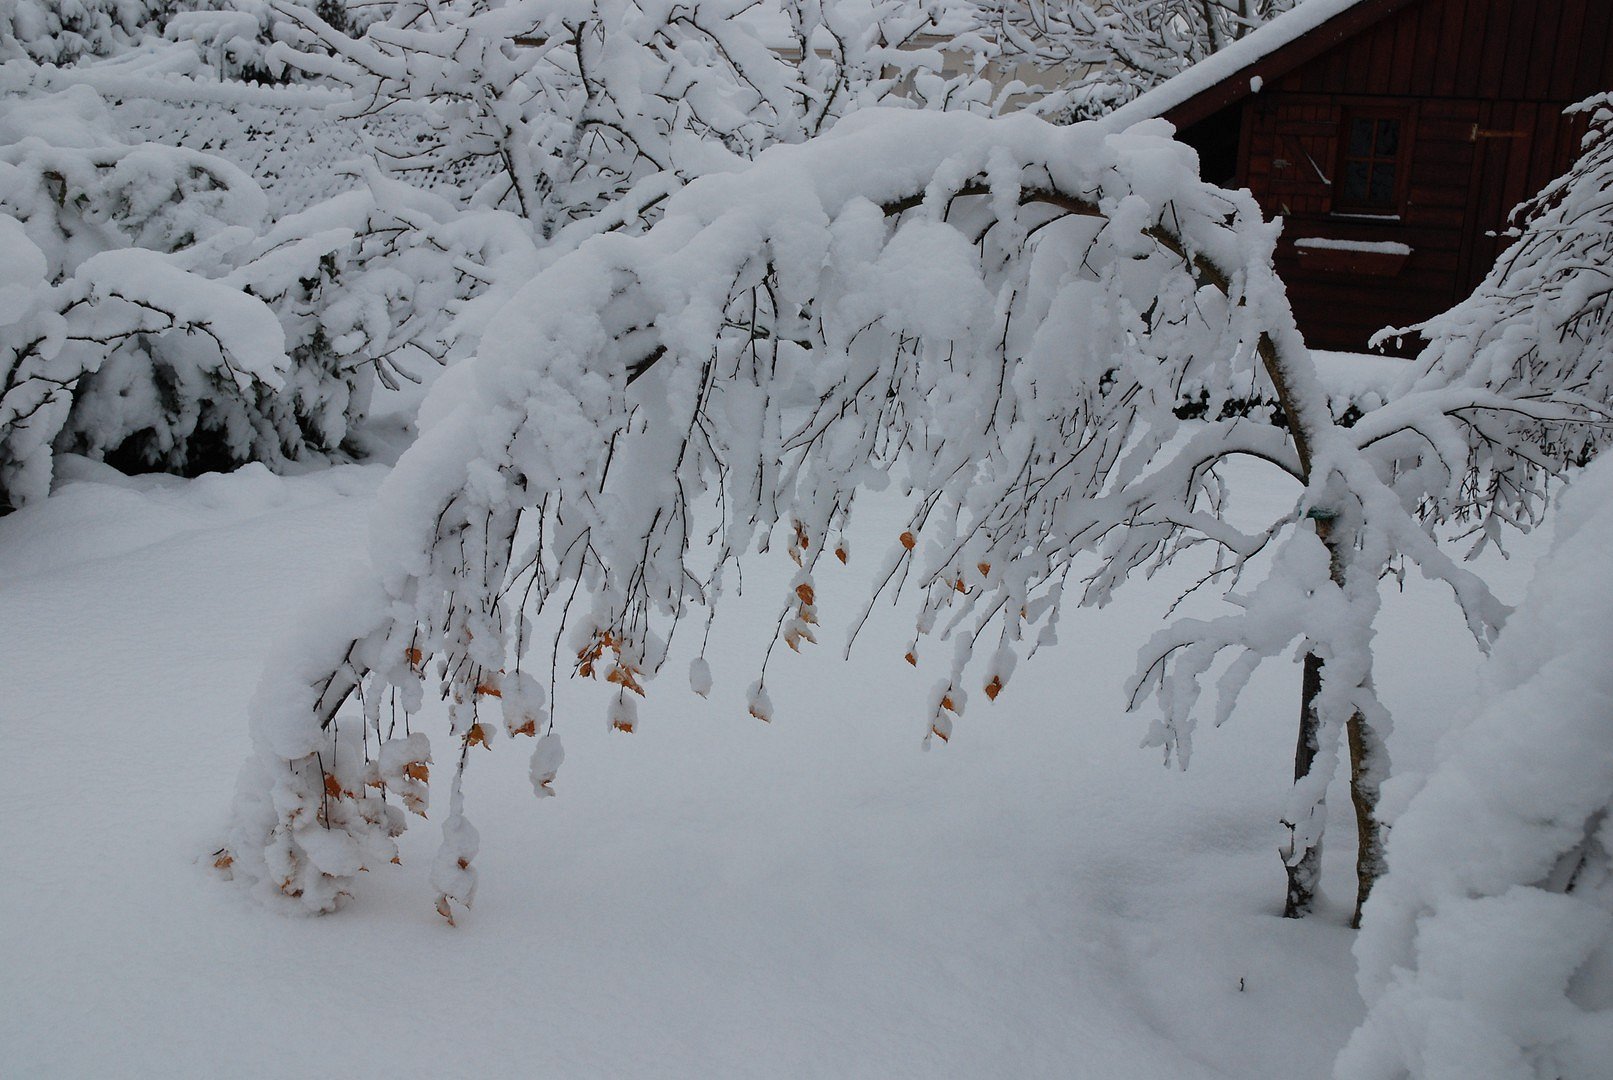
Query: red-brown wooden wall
<point x="1484" y="83"/>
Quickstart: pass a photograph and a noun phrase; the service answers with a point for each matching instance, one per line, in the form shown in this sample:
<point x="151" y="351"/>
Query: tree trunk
<point x="1304" y="866"/>
<point x="1368" y="764"/>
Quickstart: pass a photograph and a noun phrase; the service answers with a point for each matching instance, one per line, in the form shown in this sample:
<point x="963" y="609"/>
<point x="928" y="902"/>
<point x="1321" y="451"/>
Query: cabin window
<point x="1372" y="166"/>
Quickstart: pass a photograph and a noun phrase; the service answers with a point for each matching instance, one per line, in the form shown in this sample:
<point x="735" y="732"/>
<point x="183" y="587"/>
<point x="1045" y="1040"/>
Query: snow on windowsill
<point x="1376" y="247"/>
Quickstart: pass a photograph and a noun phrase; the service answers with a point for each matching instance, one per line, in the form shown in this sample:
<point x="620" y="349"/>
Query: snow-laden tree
<point x="558" y="108"/>
<point x="1100" y="55"/>
<point x="1005" y="314"/>
<point x="1487" y="951"/>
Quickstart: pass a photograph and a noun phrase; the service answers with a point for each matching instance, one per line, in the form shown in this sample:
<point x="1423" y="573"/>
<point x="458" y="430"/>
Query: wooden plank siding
<point x="1482" y="85"/>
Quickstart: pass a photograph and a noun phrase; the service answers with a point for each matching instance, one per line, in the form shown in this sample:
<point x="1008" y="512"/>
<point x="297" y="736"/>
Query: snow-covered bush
<point x="149" y="317"/>
<point x="233" y="37"/>
<point x="64" y="31"/>
<point x="1487" y="951"/>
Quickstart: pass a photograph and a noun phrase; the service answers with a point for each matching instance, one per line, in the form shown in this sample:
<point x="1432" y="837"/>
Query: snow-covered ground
<point x="711" y="896"/>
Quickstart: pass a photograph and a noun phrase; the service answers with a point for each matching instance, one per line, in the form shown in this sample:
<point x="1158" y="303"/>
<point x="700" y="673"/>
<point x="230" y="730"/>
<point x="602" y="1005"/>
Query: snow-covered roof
<point x="1236" y="58"/>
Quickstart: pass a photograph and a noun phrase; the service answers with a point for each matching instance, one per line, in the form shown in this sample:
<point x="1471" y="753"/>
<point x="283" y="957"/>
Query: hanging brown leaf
<point x="489" y="690"/>
<point x="417" y="770"/>
<point x="984" y="568"/>
<point x="477" y="736"/>
<point x="445" y="910"/>
<point x="994" y="687"/>
<point x="840" y="553"/>
<point x="805" y="592"/>
<point x="939" y="733"/>
<point x="911" y="659"/>
<point x="622" y="675"/>
<point x="908" y="541"/>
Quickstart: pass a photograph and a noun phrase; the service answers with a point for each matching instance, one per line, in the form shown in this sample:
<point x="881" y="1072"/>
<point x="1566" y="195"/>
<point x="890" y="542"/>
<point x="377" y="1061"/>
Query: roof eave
<point x="1236" y="85"/>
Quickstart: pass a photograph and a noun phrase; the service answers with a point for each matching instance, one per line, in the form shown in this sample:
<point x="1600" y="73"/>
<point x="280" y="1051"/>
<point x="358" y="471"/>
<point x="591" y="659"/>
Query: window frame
<point x="1401" y="163"/>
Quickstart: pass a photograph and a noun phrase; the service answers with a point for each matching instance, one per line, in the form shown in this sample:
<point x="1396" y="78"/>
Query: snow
<point x="1327" y="243"/>
<point x="1216" y="68"/>
<point x="709" y="897"/>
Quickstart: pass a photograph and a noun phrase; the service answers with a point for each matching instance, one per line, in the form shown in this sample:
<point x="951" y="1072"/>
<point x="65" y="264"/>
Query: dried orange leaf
<point x="840" y="553"/>
<point x="333" y="786"/>
<point x="984" y="568"/>
<point x="939" y="733"/>
<point x="908" y="541"/>
<point x="911" y="659"/>
<point x="805" y="593"/>
<point x="528" y="728"/>
<point x="960" y="586"/>
<point x="622" y="725"/>
<point x="476" y="736"/>
<point x="414" y="656"/>
<point x="444" y="910"/>
<point x="396" y="861"/>
<point x="622" y="675"/>
<point x="417" y="770"/>
<point x="489" y="690"/>
<point x="994" y="687"/>
<point x="222" y="859"/>
<point x="946" y="703"/>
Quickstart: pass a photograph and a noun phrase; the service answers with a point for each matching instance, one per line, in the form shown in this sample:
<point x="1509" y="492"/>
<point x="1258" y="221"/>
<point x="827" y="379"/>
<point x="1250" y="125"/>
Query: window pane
<point x="1388" y="138"/>
<point x="1355" y="180"/>
<point x="1360" y="138"/>
<point x="1382" y="192"/>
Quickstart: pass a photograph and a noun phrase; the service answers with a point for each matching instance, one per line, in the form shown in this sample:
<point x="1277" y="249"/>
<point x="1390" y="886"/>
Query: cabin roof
<point x="1242" y="68"/>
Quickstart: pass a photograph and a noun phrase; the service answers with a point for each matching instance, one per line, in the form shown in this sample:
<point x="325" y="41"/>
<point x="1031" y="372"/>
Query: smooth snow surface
<point x="709" y="897"/>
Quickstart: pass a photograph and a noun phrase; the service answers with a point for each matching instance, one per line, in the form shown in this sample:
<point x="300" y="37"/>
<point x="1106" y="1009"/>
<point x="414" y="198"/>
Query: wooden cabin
<point x="1394" y="138"/>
